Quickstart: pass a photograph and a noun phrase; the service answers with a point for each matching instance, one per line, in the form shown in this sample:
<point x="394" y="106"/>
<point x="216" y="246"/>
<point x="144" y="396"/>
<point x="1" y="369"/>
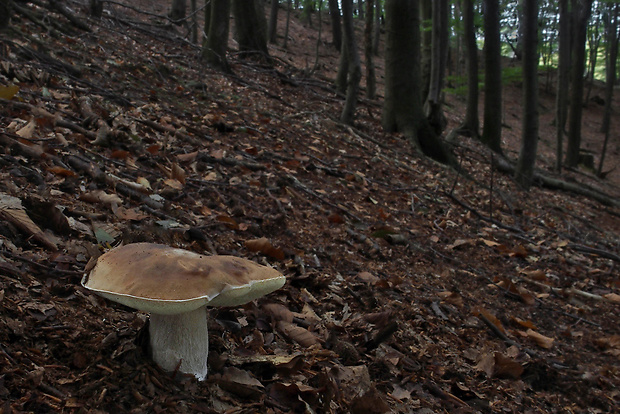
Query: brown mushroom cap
<point x="160" y="279"/>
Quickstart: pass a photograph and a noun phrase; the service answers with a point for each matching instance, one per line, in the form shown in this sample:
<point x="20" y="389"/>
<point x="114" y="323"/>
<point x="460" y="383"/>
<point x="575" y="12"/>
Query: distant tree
<point x="371" y="87"/>
<point x="470" y="125"/>
<point x="376" y="38"/>
<point x="581" y="13"/>
<point x="439" y="60"/>
<point x="288" y="21"/>
<point x="215" y="44"/>
<point x="354" y="68"/>
<point x="251" y="27"/>
<point x="334" y="14"/>
<point x="611" y="57"/>
<point x="426" y="56"/>
<point x="273" y="21"/>
<point x="593" y="39"/>
<point x="178" y="11"/>
<point x="5" y="13"/>
<point x="529" y="131"/>
<point x="492" y="129"/>
<point x="402" y="105"/>
<point x="561" y="102"/>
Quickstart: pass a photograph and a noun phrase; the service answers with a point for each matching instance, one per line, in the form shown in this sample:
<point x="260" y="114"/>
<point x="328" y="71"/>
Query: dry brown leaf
<point x="453" y="298"/>
<point x="264" y="246"/>
<point x="612" y="297"/>
<point x="178" y="173"/>
<point x="541" y="340"/>
<point x="506" y="367"/>
<point x="27" y="130"/>
<point x="491" y="318"/>
<point x="525" y="324"/>
<point x="278" y="312"/>
<point x="298" y="334"/>
<point x="11" y="210"/>
<point x="61" y="172"/>
<point x="100" y="196"/>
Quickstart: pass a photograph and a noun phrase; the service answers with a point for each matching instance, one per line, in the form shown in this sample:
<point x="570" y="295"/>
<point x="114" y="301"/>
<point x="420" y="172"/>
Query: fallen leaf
<point x="541" y="340"/>
<point x="298" y="334"/>
<point x="8" y="92"/>
<point x="264" y="246"/>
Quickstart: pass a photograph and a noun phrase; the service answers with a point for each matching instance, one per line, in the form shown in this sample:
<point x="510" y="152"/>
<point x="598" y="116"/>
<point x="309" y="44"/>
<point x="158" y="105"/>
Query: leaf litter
<point x="404" y="292"/>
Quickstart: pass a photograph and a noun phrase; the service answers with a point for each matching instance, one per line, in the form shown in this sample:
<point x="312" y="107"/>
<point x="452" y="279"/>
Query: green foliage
<point x="512" y="74"/>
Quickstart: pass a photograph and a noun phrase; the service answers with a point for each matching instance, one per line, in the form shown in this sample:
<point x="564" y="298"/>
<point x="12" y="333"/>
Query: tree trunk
<point x="251" y="28"/>
<point x="288" y="21"/>
<point x="334" y="14"/>
<point x="470" y="126"/>
<point x="273" y="21"/>
<point x="529" y="130"/>
<point x="426" y="15"/>
<point x="193" y="7"/>
<point x="377" y="29"/>
<point x="492" y="130"/>
<point x="561" y="103"/>
<point x="5" y="13"/>
<point x="354" y="73"/>
<point x="439" y="59"/>
<point x="215" y="45"/>
<point x="594" y="40"/>
<point x="402" y="106"/>
<point x="178" y="11"/>
<point x="371" y="87"/>
<point x="612" y="35"/>
<point x="581" y="12"/>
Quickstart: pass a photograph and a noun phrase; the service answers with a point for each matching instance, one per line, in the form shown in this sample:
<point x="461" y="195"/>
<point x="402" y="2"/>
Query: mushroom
<point x="175" y="286"/>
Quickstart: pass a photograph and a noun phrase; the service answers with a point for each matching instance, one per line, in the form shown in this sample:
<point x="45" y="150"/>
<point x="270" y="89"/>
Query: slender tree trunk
<point x="371" y="87"/>
<point x="426" y="16"/>
<point x="561" y="103"/>
<point x="5" y="13"/>
<point x="194" y="22"/>
<point x="334" y="14"/>
<point x="470" y="125"/>
<point x="402" y="105"/>
<point x="354" y="67"/>
<point x="529" y="131"/>
<point x="377" y="29"/>
<point x="343" y="68"/>
<point x="273" y="21"/>
<point x="581" y="13"/>
<point x="594" y="40"/>
<point x="215" y="45"/>
<point x="492" y="130"/>
<point x="439" y="59"/>
<point x="288" y="21"/>
<point x="610" y="74"/>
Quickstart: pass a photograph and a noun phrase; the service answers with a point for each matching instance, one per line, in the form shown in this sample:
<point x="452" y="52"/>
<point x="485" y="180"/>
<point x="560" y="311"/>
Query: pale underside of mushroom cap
<point x="165" y="280"/>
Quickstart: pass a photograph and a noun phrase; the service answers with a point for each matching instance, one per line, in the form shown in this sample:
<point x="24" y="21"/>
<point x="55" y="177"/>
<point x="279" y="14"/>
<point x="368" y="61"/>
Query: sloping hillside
<point x="410" y="287"/>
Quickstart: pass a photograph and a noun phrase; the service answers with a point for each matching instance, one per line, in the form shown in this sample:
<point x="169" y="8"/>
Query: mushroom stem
<point x="181" y="338"/>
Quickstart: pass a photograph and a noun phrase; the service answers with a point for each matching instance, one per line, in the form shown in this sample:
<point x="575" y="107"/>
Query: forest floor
<point x="411" y="288"/>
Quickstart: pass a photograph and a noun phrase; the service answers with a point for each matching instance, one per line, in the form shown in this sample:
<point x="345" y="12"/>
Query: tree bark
<point x="5" y="13"/>
<point x="402" y="106"/>
<point x="492" y="129"/>
<point x="334" y="14"/>
<point x="561" y="103"/>
<point x="288" y="21"/>
<point x="529" y="131"/>
<point x="215" y="45"/>
<point x="354" y="72"/>
<point x="581" y="13"/>
<point x="612" y="35"/>
<point x="426" y="15"/>
<point x="273" y="21"/>
<point x="371" y="87"/>
<point x="439" y="59"/>
<point x="178" y="11"/>
<point x="470" y="126"/>
<point x="251" y="28"/>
